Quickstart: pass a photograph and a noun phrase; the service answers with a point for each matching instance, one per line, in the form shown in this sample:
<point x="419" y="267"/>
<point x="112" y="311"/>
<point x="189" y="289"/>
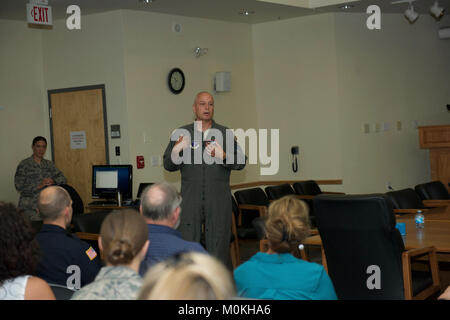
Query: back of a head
<point x="19" y="250"/>
<point x="287" y="224"/>
<point x="188" y="276"/>
<point x="52" y="201"/>
<point x="123" y="234"/>
<point x="159" y="200"/>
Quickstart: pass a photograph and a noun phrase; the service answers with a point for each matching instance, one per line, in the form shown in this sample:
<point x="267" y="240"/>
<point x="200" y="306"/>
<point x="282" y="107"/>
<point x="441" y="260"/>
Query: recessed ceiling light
<point x="149" y="2"/>
<point x="346" y="6"/>
<point x="246" y="12"/>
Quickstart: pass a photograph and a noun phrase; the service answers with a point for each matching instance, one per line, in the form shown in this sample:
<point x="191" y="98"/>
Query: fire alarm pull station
<point x="140" y="162"/>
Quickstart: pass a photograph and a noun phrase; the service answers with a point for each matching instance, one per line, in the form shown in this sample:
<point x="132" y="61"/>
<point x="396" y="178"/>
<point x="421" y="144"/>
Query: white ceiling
<point x="227" y="10"/>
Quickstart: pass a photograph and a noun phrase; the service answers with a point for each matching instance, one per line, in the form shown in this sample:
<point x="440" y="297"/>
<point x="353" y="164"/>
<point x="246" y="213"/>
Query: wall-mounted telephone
<point x="294" y="152"/>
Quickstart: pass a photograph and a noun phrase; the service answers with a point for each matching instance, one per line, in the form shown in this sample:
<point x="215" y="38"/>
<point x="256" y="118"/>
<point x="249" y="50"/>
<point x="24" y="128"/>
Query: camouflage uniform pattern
<point x="28" y="177"/>
<point x="112" y="283"/>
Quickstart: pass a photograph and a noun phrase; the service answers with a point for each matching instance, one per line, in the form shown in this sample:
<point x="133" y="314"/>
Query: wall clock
<point x="176" y="80"/>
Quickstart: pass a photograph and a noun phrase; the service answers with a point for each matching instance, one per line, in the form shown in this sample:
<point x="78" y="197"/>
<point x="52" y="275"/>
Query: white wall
<point x="21" y="96"/>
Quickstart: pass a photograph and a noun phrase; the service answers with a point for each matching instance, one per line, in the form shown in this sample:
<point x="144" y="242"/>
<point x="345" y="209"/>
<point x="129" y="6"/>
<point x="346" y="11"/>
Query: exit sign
<point x="39" y="14"/>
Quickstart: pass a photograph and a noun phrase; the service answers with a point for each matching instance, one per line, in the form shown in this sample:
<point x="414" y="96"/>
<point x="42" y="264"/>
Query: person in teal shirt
<point x="279" y="273"/>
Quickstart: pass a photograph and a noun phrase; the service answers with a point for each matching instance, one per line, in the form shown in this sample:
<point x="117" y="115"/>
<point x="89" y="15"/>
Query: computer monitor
<point x="107" y="180"/>
<point x="142" y="187"/>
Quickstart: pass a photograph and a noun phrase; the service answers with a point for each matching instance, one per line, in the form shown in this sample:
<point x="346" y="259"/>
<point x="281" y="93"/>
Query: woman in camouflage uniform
<point x="32" y="175"/>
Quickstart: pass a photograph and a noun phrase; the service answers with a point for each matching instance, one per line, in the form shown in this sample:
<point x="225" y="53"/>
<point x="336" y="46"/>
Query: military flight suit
<point x="28" y="177"/>
<point x="205" y="189"/>
<point x="60" y="250"/>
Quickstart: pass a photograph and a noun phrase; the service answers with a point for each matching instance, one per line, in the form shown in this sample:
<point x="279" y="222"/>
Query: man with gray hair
<point x="160" y="207"/>
<point x="60" y="249"/>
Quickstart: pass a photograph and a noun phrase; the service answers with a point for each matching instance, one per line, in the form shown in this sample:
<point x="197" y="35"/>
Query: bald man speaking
<point x="205" y="153"/>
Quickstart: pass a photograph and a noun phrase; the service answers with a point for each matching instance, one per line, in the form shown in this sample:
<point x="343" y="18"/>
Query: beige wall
<point x="397" y="74"/>
<point x="296" y="90"/>
<point x="90" y="56"/>
<point x="152" y="50"/>
<point x="21" y="96"/>
<point x="330" y="75"/>
<point x="316" y="78"/>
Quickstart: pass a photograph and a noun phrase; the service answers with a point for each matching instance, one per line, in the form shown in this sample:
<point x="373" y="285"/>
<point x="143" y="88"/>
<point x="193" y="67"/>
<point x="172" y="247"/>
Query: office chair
<point x="433" y="194"/>
<point x="359" y="236"/>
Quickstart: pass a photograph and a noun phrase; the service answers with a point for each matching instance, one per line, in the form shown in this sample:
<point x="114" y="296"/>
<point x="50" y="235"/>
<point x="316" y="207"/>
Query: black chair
<point x="433" y="194"/>
<point x="252" y="203"/>
<point x="405" y="201"/>
<point x="61" y="292"/>
<point x="307" y="190"/>
<point x="89" y="222"/>
<point x="234" y="241"/>
<point x="310" y="188"/>
<point x="279" y="191"/>
<point x="77" y="202"/>
<point x="251" y="210"/>
<point x="358" y="233"/>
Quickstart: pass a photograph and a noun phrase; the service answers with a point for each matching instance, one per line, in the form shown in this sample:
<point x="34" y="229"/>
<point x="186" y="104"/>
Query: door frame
<point x="105" y="124"/>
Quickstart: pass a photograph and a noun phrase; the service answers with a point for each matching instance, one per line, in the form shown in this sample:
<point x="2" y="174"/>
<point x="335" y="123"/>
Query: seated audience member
<point x="188" y="276"/>
<point x="19" y="255"/>
<point x="160" y="207"/>
<point x="60" y="249"/>
<point x="445" y="295"/>
<point x="279" y="273"/>
<point x="32" y="175"/>
<point x="123" y="243"/>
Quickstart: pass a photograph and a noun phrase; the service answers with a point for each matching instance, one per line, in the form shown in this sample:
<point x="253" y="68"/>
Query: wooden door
<point x="76" y="113"/>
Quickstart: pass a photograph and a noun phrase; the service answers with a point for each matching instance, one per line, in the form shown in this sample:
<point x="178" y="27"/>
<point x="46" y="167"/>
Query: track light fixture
<point x="436" y="10"/>
<point x="410" y="14"/>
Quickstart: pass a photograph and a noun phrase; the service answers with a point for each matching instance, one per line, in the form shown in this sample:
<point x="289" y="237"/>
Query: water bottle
<point x="420" y="220"/>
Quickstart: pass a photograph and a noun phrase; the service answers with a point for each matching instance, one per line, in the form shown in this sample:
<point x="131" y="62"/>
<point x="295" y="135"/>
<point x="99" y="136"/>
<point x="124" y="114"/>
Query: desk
<point x="107" y="207"/>
<point x="435" y="233"/>
<point x="435" y="214"/>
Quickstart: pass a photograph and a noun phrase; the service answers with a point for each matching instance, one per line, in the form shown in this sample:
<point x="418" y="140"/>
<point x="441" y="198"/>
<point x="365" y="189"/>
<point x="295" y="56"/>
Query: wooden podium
<point x="437" y="140"/>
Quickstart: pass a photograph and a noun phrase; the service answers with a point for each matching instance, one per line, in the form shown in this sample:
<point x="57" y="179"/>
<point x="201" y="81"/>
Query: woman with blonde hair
<point x="188" y="276"/>
<point x="279" y="273"/>
<point x="123" y="243"/>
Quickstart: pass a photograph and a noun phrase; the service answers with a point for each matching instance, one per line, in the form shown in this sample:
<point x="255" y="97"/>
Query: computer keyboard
<point x="103" y="203"/>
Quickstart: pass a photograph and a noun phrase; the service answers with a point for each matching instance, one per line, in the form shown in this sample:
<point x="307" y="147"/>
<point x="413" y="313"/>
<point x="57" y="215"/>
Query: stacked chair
<point x="405" y="201"/>
<point x="433" y="194"/>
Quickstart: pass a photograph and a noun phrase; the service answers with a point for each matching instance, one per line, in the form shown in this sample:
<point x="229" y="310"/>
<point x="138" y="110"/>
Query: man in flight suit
<point x="205" y="186"/>
<point x="59" y="249"/>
